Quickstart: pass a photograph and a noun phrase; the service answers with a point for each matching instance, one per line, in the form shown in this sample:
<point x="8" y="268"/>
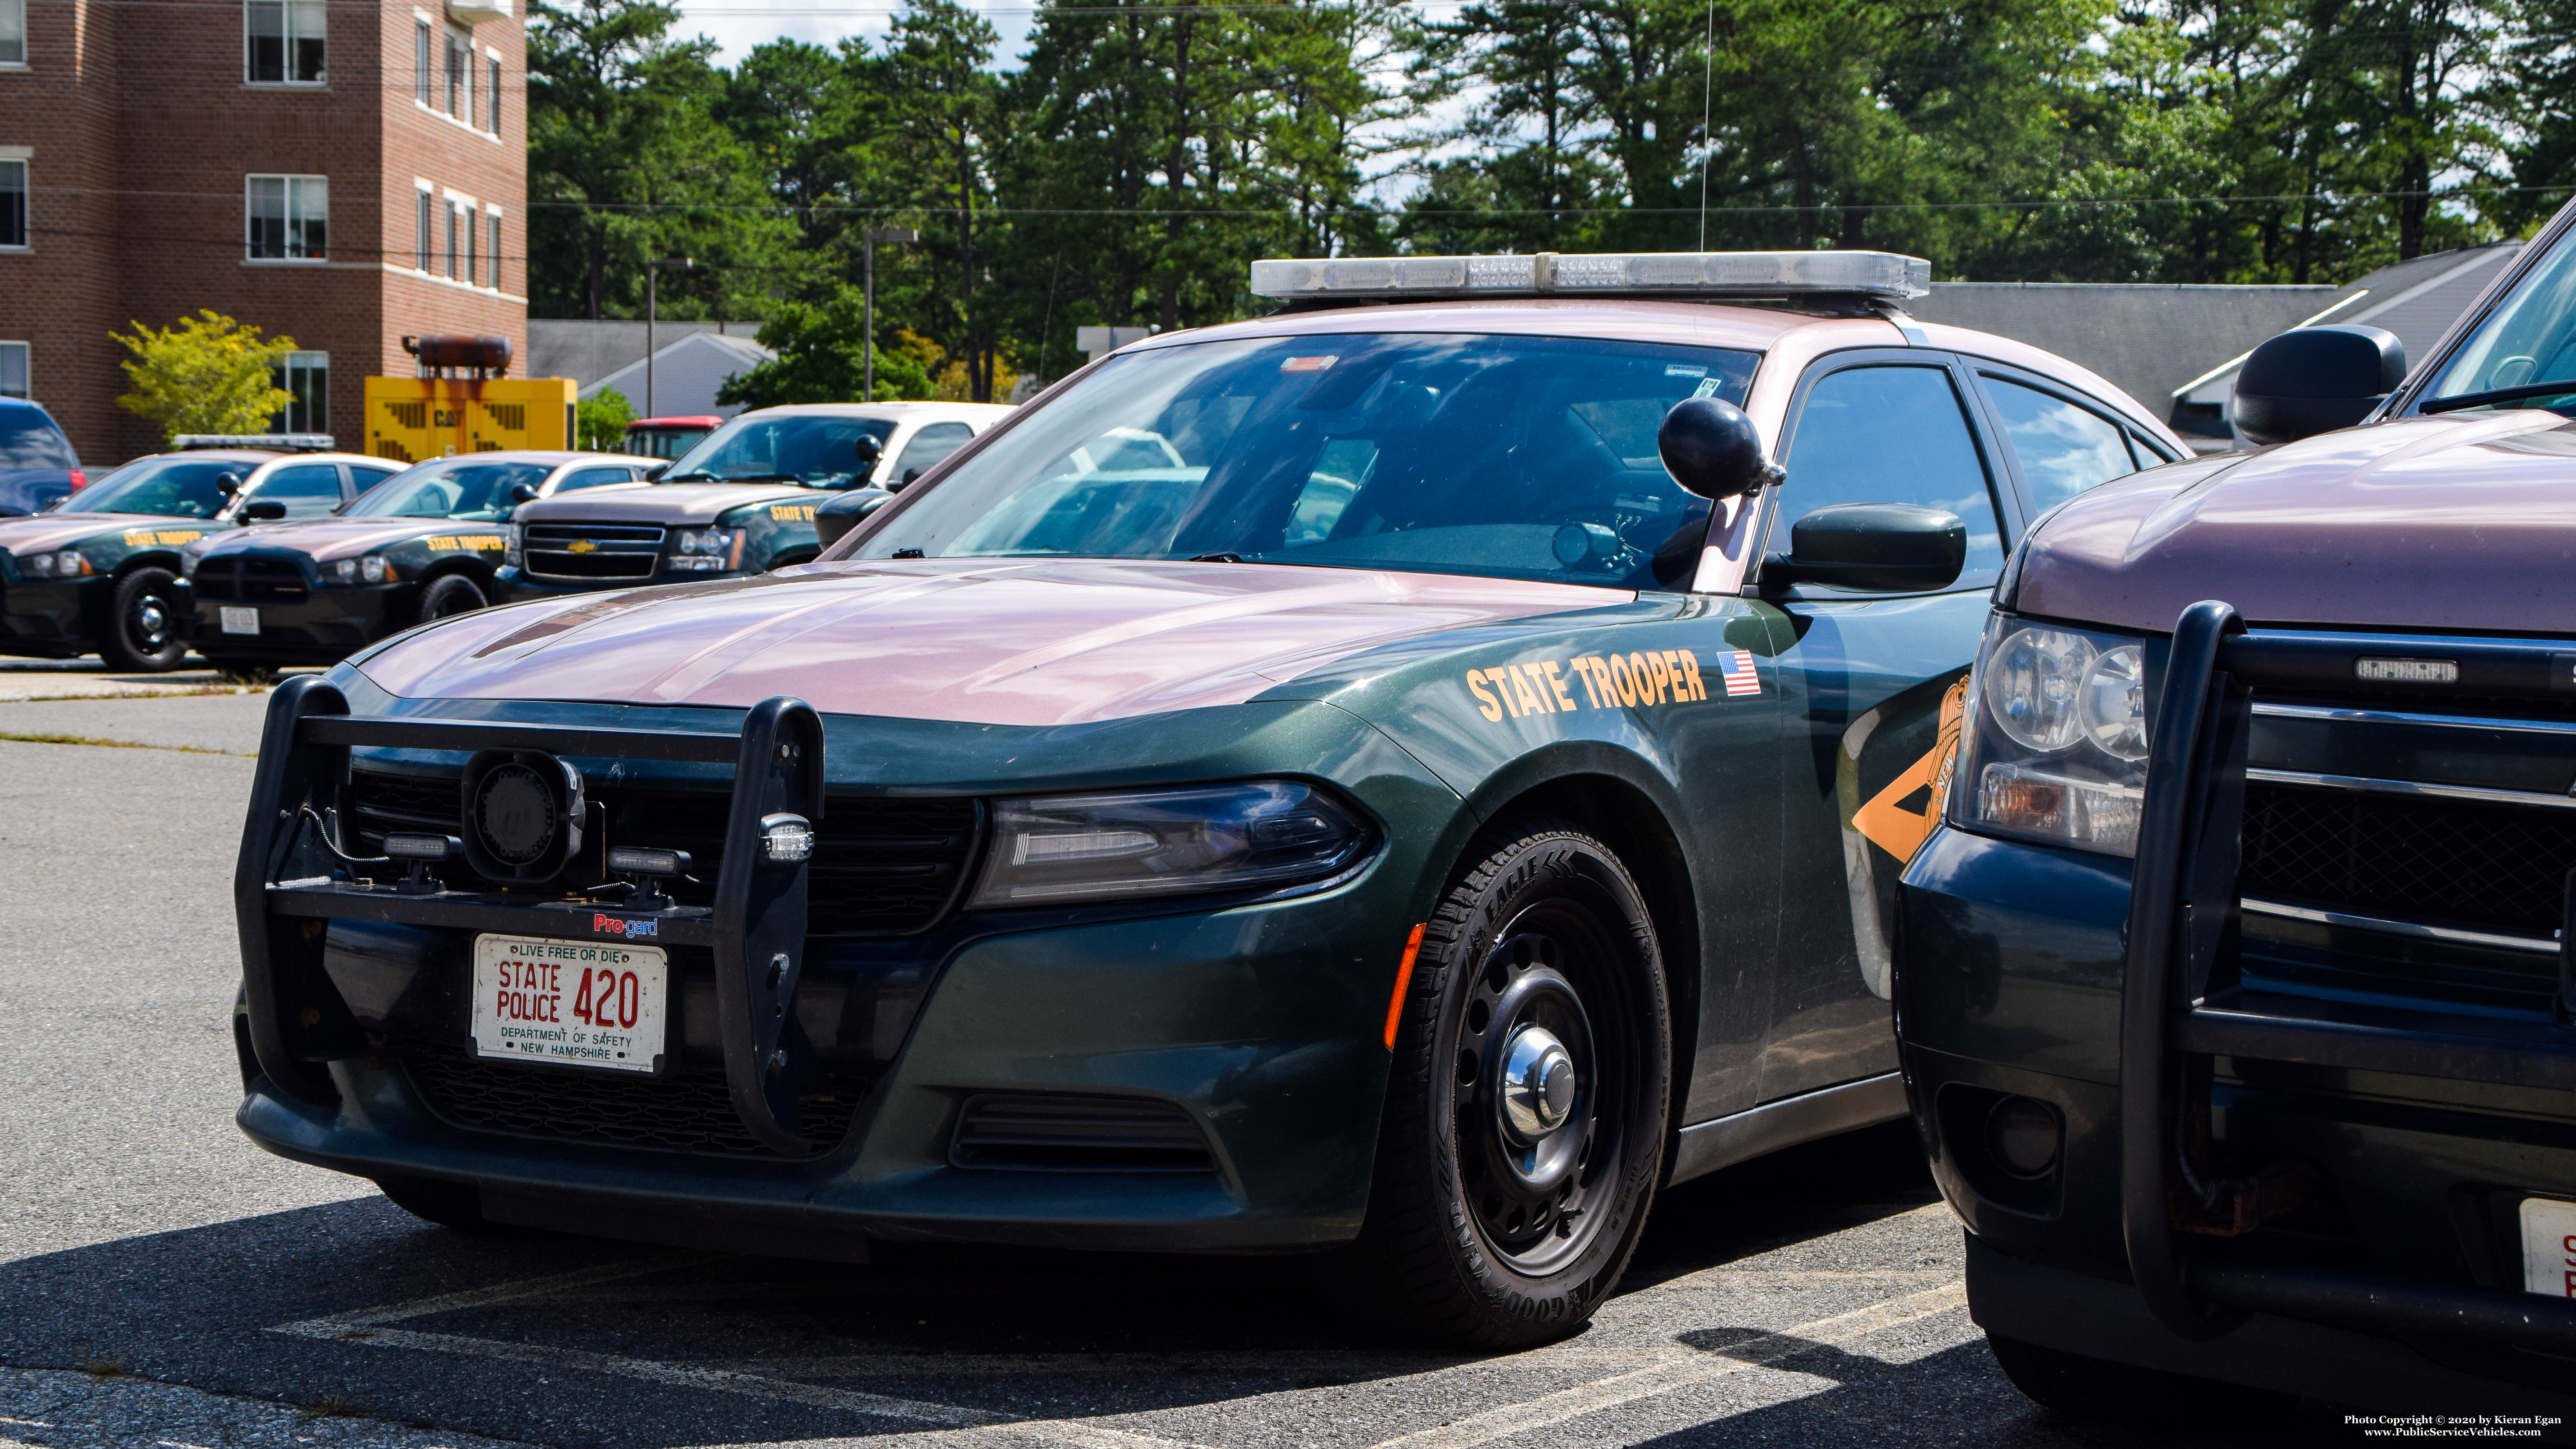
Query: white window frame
<point x="460" y="229"/>
<point x="492" y="93"/>
<point x="24" y="158"/>
<point x="317" y="419"/>
<point x="425" y="224"/>
<point x="424" y="61"/>
<point x="17" y="8"/>
<point x="492" y="235"/>
<point x="456" y="77"/>
<point x="296" y="195"/>
<point x="26" y="369"/>
<point x="287" y="11"/>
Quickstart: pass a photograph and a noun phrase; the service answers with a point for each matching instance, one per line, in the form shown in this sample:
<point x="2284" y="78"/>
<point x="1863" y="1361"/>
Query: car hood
<point x="38" y="532"/>
<point x="989" y="641"/>
<point x="661" y="502"/>
<point x="331" y="538"/>
<point x="2464" y="523"/>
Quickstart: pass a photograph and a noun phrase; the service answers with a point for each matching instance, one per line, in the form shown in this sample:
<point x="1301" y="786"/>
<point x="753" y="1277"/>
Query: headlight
<point x="61" y="564"/>
<point x="2055" y="746"/>
<point x="1066" y="848"/>
<point x="703" y="550"/>
<point x="513" y="547"/>
<point x="369" y="570"/>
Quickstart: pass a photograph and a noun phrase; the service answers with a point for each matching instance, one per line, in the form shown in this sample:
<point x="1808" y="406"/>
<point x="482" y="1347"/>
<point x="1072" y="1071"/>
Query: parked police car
<point x="1401" y="777"/>
<point x="429" y="544"/>
<point x="99" y="572"/>
<point x="2235" y="991"/>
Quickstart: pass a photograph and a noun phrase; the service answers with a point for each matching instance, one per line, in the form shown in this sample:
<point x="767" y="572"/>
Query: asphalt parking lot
<point x="164" y="1283"/>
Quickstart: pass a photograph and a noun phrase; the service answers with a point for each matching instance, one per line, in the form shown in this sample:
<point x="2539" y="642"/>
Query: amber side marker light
<point x="1403" y="979"/>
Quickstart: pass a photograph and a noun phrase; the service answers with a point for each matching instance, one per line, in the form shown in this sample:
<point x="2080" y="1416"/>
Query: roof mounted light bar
<point x="271" y="442"/>
<point x="1883" y="275"/>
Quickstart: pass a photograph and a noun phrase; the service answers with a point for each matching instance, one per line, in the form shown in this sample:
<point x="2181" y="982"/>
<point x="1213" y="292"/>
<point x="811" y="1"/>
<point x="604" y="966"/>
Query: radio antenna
<point x="1707" y="85"/>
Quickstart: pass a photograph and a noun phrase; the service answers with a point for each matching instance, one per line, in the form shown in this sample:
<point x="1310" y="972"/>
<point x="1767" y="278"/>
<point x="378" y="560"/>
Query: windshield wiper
<point x="2498" y="395"/>
<point x="1224" y="556"/>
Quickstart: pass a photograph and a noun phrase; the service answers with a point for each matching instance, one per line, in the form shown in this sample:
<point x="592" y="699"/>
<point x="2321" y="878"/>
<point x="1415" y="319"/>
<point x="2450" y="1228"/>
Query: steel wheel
<point x="145" y="634"/>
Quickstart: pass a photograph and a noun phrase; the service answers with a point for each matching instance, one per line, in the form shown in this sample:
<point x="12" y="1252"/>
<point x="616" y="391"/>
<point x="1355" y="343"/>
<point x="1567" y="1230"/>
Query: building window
<point x="420" y="62"/>
<point x="492" y="95"/>
<point x="472" y="274"/>
<point x="308" y="376"/>
<point x="458" y="59"/>
<point x="426" y="226"/>
<point x="13" y="202"/>
<point x="285" y="41"/>
<point x="13" y="369"/>
<point x="495" y="252"/>
<point x="13" y="32"/>
<point x="452" y="241"/>
<point x="289" y="217"/>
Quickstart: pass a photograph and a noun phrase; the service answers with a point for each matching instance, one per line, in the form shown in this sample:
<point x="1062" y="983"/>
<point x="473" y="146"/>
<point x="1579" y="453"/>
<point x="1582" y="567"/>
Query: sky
<point x="740" y="25"/>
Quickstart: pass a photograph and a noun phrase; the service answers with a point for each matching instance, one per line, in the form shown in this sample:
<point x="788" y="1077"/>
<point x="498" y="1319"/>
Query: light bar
<point x="1569" y="274"/>
<point x="423" y="847"/>
<point x="641" y="860"/>
<point x="274" y="442"/>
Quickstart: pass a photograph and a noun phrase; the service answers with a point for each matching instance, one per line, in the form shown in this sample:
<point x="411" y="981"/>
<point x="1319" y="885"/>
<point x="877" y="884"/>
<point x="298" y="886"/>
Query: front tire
<point x="1524" y="1123"/>
<point x="143" y="633"/>
<point x="450" y="595"/>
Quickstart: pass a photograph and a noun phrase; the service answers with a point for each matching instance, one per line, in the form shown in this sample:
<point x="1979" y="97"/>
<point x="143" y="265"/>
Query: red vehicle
<point x="667" y="438"/>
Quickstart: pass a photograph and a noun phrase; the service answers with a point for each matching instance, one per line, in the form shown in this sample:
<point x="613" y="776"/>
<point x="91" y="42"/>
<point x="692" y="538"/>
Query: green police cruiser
<point x="98" y="572"/>
<point x="429" y="544"/>
<point x="1401" y="779"/>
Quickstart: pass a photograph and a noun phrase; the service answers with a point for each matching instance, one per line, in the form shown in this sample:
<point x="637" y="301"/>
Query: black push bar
<point x="285" y="894"/>
<point x="2183" y="909"/>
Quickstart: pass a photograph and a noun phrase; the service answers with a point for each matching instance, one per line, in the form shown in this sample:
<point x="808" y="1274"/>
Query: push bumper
<point x="517" y="586"/>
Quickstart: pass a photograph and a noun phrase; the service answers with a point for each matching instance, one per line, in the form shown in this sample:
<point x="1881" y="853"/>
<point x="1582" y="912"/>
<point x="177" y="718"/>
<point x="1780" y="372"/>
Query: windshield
<point x="171" y="487"/>
<point x="450" y="489"/>
<point x="1517" y="457"/>
<point x="2528" y="341"/>
<point x="815" y="449"/>
<point x="29" y="439"/>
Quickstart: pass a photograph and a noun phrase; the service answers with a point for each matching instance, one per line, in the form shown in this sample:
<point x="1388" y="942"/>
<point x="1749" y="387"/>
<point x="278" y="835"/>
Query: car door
<point x="1871" y="689"/>
<point x="309" y="490"/>
<point x="2061" y="442"/>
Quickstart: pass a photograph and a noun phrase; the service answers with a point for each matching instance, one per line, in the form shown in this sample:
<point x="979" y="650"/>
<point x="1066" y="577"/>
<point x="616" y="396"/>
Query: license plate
<point x="571" y="1003"/>
<point x="2549" y="1247"/>
<point x="241" y="621"/>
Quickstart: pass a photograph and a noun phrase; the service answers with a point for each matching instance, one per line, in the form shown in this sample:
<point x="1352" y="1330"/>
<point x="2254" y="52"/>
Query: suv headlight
<point x="1060" y="849"/>
<point x="514" y="547"/>
<point x="704" y="550"/>
<point x="58" y="564"/>
<point x="2055" y="746"/>
<point x="369" y="570"/>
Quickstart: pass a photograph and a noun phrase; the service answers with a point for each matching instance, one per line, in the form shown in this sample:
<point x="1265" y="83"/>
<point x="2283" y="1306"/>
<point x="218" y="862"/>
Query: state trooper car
<point x="1401" y="778"/>
<point x="430" y="543"/>
<point x="98" y="573"/>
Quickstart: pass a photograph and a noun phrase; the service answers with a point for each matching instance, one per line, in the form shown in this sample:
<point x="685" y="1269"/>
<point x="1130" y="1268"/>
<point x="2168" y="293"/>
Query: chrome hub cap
<point x="151" y="624"/>
<point x="1538" y="1084"/>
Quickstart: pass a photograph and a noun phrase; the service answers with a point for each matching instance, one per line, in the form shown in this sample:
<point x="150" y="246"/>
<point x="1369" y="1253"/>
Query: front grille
<point x="593" y="550"/>
<point x="881" y="866"/>
<point x="2443" y="862"/>
<point x="1078" y="1134"/>
<point x="688" y="1111"/>
<point x="248" y="578"/>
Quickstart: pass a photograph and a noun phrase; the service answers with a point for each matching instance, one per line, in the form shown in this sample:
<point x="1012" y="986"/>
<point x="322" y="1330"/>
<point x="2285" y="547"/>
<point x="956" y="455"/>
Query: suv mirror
<point x="656" y="471"/>
<point x="834" y="520"/>
<point x="523" y="493"/>
<point x="1885" y="548"/>
<point x="2314" y="380"/>
<point x="262" y="510"/>
<point x="228" y="484"/>
<point x="1712" y="449"/>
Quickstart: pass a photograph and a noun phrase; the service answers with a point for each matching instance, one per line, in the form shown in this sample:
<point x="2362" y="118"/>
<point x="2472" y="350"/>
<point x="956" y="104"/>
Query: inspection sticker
<point x="571" y="1003"/>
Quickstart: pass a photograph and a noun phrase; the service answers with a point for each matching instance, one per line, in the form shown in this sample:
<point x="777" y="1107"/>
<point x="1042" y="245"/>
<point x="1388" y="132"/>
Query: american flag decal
<point x="1736" y="665"/>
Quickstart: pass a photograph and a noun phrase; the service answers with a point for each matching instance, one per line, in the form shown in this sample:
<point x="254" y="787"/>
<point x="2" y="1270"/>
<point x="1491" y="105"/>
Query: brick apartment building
<point x="342" y="172"/>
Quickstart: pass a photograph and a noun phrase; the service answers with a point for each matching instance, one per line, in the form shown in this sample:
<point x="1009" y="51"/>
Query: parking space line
<point x="1761" y="1352"/>
<point x="334" y="1324"/>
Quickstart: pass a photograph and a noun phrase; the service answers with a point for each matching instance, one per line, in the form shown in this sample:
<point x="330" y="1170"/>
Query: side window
<point x="2064" y="449"/>
<point x="308" y="490"/>
<point x="1891" y="434"/>
<point x="934" y="442"/>
<point x="366" y="478"/>
<point x="594" y="477"/>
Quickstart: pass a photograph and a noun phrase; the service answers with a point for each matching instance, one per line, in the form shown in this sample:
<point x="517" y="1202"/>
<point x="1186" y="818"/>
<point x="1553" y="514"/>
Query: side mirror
<point x="656" y="471"/>
<point x="2315" y="380"/>
<point x="1884" y="548"/>
<point x="524" y="493"/>
<point x="228" y="484"/>
<point x="1712" y="449"/>
<point x="869" y="449"/>
<point x="262" y="510"/>
<point x="834" y="520"/>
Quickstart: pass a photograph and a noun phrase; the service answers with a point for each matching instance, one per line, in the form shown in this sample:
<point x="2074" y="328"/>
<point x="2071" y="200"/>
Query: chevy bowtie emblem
<point x="583" y="545"/>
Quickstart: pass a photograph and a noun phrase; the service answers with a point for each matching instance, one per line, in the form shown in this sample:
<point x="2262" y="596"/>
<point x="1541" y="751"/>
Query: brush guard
<point x="755" y="928"/>
<point x="2182" y="936"/>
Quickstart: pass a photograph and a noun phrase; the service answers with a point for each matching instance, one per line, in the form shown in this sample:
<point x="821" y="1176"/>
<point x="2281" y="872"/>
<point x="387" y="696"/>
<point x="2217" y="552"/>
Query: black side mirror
<point x="228" y="484"/>
<point x="1712" y="449"/>
<point x="2315" y="380"/>
<point x="262" y="510"/>
<point x="834" y="520"/>
<point x="656" y="471"/>
<point x="1884" y="548"/>
<point x="523" y="493"/>
<point x="869" y="449"/>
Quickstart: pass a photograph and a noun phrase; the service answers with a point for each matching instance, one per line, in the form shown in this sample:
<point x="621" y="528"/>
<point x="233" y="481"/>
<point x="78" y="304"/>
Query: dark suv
<point x="37" y="466"/>
<point x="2234" y="995"/>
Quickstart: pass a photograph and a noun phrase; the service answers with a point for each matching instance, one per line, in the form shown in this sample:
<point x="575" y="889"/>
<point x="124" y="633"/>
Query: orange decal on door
<point x="1885" y="821"/>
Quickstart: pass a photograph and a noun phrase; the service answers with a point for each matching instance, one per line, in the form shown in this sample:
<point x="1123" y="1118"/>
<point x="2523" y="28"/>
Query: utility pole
<point x="901" y="236"/>
<point x="652" y="306"/>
